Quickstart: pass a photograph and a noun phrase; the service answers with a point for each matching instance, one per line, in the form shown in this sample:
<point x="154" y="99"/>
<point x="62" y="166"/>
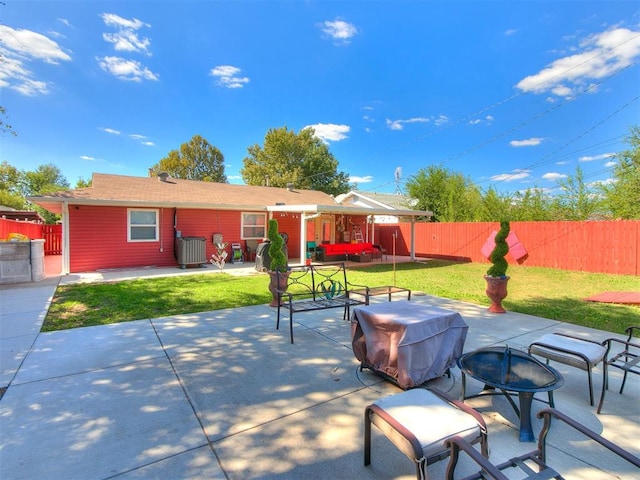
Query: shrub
<point x="276" y="251"/>
<point x="499" y="267"/>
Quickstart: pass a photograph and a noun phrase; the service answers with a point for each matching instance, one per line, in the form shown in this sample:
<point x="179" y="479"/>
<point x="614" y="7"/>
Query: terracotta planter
<point x="274" y="278"/>
<point x="496" y="291"/>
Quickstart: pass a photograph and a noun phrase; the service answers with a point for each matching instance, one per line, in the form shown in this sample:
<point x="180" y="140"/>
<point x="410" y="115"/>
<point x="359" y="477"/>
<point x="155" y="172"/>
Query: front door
<point x="325" y="229"/>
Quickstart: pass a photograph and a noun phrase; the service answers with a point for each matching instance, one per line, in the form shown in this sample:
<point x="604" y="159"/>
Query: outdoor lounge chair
<point x="535" y="458"/>
<point x="627" y="360"/>
<point x="418" y="421"/>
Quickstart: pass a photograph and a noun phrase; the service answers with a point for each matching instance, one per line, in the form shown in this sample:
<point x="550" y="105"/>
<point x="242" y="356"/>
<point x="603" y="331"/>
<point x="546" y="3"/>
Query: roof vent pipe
<point x="163" y="176"/>
<point x="290" y="187"/>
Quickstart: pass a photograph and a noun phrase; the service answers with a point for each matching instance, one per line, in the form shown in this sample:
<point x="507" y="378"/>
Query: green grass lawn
<point x="544" y="292"/>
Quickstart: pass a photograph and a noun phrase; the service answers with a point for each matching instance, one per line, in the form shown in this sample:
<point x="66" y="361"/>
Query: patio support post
<point x="66" y="263"/>
<point x="412" y="252"/>
<point x="303" y="238"/>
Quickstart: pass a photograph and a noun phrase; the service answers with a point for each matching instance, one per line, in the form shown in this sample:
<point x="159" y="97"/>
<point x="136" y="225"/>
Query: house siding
<point x="98" y="236"/>
<point x="98" y="240"/>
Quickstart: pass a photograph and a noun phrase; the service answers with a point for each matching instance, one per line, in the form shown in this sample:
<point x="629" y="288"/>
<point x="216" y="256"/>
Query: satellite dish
<point x="398" y="174"/>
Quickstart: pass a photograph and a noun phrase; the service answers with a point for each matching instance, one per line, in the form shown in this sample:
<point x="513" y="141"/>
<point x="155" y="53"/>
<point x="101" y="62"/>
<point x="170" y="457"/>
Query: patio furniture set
<point x="410" y="344"/>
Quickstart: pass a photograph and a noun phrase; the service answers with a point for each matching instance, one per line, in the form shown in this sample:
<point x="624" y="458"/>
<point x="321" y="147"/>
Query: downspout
<point x="66" y="262"/>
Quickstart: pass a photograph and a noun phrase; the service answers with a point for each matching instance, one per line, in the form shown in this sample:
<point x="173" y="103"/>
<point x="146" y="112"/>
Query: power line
<point x="545" y="160"/>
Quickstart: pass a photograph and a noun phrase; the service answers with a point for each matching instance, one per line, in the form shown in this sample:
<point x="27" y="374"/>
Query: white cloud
<point x="339" y="30"/>
<point x="20" y="47"/>
<point x="88" y="158"/>
<point x="365" y="179"/>
<point x="441" y="120"/>
<point x="142" y="139"/>
<point x="511" y="31"/>
<point x="610" y="164"/>
<point x="113" y="20"/>
<point x="399" y="124"/>
<point x="330" y="132"/>
<point x="228" y="77"/>
<point x="591" y="158"/>
<point x="529" y="142"/>
<point x="125" y="69"/>
<point x="476" y="121"/>
<point x="608" y="181"/>
<point x="596" y="57"/>
<point x="111" y="131"/>
<point x="126" y="39"/>
<point x="553" y="176"/>
<point x="31" y="45"/>
<point x="509" y="177"/>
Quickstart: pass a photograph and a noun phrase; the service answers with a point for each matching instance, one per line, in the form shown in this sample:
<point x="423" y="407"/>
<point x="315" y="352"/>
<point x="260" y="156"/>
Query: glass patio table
<point x="510" y="370"/>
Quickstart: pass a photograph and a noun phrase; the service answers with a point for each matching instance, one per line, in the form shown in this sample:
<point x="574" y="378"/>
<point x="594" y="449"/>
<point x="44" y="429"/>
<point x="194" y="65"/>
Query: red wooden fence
<point x="602" y="246"/>
<point x="52" y="234"/>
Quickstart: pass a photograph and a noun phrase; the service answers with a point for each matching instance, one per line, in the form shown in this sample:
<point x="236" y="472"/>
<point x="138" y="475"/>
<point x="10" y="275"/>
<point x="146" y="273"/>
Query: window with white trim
<point x="254" y="226"/>
<point x="142" y="225"/>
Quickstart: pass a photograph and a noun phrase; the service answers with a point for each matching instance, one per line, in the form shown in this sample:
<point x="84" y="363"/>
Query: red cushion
<point x="346" y="248"/>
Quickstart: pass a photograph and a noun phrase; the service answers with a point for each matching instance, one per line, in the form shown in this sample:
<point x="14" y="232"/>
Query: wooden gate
<point x="52" y="235"/>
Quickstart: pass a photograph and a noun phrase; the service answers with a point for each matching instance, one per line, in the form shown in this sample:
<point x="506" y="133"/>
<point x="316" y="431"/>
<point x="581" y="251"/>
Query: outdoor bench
<point x="315" y="287"/>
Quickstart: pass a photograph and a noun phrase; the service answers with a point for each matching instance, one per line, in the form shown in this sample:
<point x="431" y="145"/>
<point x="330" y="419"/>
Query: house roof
<point x="114" y="190"/>
<point x="23" y="215"/>
<point x="392" y="201"/>
<point x="119" y="190"/>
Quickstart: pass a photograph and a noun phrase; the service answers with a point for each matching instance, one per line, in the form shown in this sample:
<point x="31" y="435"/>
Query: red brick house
<point x="123" y="221"/>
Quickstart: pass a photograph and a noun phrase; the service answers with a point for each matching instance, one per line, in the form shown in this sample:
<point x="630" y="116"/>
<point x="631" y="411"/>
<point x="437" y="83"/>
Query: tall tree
<point x="10" y="191"/>
<point x="450" y="195"/>
<point x="301" y="159"/>
<point x="196" y="160"/>
<point x="4" y="126"/>
<point x="577" y="201"/>
<point x="495" y="206"/>
<point x="45" y="179"/>
<point x="622" y="197"/>
<point x="532" y="205"/>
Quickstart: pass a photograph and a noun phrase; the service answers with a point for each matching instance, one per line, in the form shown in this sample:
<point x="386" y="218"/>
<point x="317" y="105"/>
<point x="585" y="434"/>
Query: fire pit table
<point x="510" y="370"/>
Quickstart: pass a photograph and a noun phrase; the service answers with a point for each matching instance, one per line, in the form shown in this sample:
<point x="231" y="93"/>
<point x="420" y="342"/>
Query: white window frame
<point x="156" y="225"/>
<point x="242" y="225"/>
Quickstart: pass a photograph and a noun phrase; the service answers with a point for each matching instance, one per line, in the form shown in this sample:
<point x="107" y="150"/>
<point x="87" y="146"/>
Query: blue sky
<point x="512" y="94"/>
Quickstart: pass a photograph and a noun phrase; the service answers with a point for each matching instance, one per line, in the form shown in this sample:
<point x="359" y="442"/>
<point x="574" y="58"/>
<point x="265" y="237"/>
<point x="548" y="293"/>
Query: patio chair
<point x="418" y="421"/>
<point x="627" y="359"/>
<point x="535" y="458"/>
<point x="312" y="250"/>
<point x="569" y="350"/>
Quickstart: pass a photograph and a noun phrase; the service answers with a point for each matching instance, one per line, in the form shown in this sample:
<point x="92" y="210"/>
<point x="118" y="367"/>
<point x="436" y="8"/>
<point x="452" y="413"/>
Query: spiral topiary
<point x="276" y="251"/>
<point x="499" y="267"/>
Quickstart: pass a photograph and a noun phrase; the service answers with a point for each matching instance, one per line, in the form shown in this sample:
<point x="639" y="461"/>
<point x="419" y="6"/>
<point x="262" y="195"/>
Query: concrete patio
<point x="223" y="395"/>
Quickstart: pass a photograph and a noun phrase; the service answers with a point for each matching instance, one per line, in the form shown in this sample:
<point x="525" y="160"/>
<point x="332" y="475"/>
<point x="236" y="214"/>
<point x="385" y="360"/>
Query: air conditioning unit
<point x="191" y="251"/>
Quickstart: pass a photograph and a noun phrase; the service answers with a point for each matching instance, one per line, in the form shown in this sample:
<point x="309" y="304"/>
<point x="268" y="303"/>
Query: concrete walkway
<point x="223" y="395"/>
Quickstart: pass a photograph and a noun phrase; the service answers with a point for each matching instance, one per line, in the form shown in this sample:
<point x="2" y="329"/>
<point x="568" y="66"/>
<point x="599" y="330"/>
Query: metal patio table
<point x="510" y="370"/>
